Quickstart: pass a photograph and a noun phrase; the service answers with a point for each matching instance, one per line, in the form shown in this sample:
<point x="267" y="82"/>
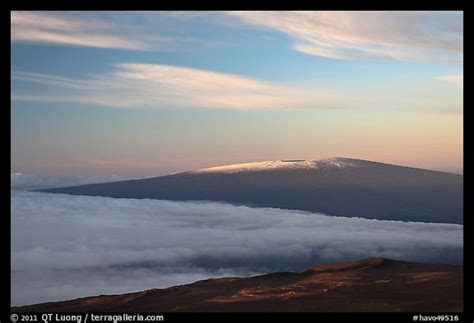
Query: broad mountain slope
<point x="336" y="186"/>
<point x="368" y="285"/>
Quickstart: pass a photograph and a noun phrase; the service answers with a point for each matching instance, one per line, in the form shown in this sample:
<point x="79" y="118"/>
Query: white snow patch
<point x="279" y="165"/>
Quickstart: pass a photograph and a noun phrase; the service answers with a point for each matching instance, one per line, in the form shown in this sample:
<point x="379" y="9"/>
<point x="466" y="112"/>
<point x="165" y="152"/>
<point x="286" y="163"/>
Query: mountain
<point x="335" y="186"/>
<point x="368" y="285"/>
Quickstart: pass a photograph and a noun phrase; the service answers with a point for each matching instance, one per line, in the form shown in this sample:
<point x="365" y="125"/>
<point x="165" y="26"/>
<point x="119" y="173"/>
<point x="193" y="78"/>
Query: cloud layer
<point x="70" y="246"/>
<point x="370" y="34"/>
<point x="21" y="181"/>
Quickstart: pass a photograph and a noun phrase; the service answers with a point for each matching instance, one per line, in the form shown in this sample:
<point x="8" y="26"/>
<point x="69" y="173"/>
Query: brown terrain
<point x="368" y="285"/>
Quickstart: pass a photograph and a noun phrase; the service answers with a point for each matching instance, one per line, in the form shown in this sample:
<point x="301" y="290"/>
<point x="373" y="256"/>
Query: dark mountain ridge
<point x="335" y="186"/>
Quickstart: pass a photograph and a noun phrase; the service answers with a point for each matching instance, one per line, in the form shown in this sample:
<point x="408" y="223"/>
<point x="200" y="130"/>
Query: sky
<point x="135" y="94"/>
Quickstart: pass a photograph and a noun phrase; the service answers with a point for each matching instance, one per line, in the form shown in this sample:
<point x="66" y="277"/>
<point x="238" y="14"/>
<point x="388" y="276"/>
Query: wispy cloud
<point x="46" y="79"/>
<point x="134" y="85"/>
<point x="45" y="27"/>
<point x="456" y="79"/>
<point x="157" y="86"/>
<point x="354" y="35"/>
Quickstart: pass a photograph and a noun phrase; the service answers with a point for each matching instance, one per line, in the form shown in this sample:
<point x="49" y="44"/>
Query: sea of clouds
<point x="67" y="247"/>
<point x="22" y="181"/>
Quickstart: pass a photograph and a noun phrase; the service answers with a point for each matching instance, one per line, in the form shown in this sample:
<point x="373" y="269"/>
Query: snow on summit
<point x="279" y="165"/>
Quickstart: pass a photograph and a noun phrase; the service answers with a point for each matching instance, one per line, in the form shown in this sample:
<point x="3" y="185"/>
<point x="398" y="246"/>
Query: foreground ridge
<point x="367" y="285"/>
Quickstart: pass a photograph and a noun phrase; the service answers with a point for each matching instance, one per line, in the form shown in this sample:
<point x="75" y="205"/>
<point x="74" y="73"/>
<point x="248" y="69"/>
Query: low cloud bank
<point x="73" y="246"/>
<point x="21" y="181"/>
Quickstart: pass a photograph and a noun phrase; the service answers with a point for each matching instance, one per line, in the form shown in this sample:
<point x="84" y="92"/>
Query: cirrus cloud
<point x="367" y="34"/>
<point x="158" y="86"/>
<point x="45" y="27"/>
<point x="135" y="85"/>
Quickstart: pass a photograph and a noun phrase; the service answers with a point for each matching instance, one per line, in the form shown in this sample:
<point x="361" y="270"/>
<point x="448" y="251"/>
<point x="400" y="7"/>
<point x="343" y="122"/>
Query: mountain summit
<point x="335" y="186"/>
<point x="284" y="164"/>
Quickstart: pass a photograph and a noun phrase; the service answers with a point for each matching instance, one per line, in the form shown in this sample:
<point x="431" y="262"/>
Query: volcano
<point x="335" y="186"/>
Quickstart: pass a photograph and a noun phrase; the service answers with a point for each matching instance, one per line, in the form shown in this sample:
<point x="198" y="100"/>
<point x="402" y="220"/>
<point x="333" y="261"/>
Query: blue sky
<point x="149" y="93"/>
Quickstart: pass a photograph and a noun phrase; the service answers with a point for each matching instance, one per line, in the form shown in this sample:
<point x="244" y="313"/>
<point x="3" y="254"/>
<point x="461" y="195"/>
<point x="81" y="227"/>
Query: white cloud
<point x="73" y="246"/>
<point x="134" y="85"/>
<point x="456" y="79"/>
<point x="369" y="34"/>
<point x="157" y="86"/>
<point x="45" y="27"/>
<point x="335" y="34"/>
<point x="21" y="181"/>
